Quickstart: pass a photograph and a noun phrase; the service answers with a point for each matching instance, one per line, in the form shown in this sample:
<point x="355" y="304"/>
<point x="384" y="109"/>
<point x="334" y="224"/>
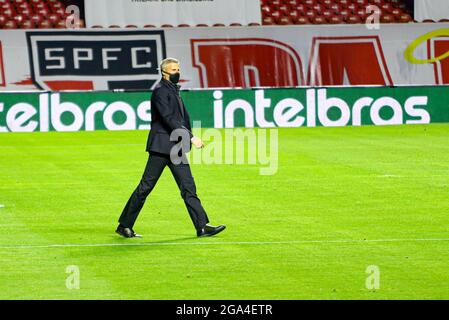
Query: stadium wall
<point x="249" y="108"/>
<point x="242" y="57"/>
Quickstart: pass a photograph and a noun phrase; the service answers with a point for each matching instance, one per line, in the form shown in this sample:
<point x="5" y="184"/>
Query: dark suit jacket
<point x="167" y="114"/>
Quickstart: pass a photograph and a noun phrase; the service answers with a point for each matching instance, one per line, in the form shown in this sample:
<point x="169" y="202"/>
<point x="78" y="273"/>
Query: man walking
<point x="168" y="115"/>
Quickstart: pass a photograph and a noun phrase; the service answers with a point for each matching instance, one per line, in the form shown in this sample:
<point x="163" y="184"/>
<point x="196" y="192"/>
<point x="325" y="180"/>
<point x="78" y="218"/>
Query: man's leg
<point x="153" y="170"/>
<point x="186" y="184"/>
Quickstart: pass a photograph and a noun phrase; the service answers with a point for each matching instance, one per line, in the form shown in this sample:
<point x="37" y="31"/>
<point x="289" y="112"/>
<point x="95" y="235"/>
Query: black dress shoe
<point x="127" y="232"/>
<point x="208" y="230"/>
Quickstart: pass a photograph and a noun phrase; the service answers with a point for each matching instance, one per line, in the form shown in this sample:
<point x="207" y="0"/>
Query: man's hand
<point x="197" y="142"/>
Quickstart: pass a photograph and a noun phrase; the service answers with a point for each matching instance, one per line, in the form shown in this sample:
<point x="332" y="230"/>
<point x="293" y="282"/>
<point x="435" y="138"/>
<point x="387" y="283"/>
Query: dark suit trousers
<point x="186" y="184"/>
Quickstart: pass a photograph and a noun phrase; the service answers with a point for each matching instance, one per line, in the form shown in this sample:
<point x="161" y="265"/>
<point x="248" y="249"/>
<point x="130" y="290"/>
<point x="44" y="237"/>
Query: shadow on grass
<point x="123" y="248"/>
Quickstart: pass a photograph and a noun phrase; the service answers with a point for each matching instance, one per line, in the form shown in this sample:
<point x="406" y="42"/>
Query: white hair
<point x="166" y="62"/>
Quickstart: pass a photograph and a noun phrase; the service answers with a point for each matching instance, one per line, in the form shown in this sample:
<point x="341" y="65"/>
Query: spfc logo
<point x="79" y="60"/>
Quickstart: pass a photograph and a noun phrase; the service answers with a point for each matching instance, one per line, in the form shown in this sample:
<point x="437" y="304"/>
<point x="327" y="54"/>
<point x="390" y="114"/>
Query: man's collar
<point x="170" y="84"/>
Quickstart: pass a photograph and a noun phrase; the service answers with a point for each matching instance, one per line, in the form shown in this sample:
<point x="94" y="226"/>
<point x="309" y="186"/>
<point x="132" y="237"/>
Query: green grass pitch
<point x="343" y="199"/>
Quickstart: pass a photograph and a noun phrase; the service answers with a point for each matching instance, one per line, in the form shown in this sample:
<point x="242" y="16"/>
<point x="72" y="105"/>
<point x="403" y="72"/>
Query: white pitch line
<point x="157" y="244"/>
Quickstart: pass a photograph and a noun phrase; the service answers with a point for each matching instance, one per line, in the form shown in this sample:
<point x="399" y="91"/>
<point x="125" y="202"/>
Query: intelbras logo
<point x="105" y="60"/>
<point x="318" y="109"/>
<point x="55" y="112"/>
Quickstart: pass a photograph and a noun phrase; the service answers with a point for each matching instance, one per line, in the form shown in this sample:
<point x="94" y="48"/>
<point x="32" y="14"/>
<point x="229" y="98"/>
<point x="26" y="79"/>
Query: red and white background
<point x="225" y="57"/>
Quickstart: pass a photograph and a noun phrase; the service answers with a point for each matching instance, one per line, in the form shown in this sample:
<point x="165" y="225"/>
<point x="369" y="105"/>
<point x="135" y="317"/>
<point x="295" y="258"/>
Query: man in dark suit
<point x="168" y="116"/>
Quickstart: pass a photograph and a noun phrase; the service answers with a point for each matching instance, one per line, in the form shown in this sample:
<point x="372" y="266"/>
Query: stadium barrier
<point x="250" y="108"/>
<point x="92" y="60"/>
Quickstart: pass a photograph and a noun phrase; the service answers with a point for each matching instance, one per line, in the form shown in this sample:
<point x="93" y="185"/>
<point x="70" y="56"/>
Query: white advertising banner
<point x="110" y="59"/>
<point x="173" y="12"/>
<point x="431" y="9"/>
